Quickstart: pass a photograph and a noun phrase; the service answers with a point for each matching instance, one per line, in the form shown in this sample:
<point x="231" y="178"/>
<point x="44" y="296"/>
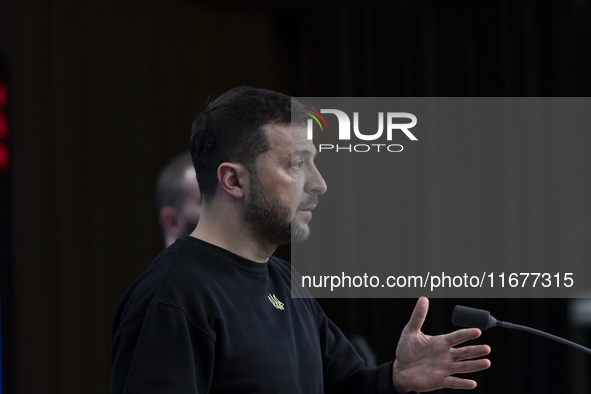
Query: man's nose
<point x="316" y="183"/>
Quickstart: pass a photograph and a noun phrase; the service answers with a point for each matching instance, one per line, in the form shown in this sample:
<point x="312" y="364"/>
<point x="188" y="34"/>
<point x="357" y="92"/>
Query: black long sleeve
<point x="203" y="320"/>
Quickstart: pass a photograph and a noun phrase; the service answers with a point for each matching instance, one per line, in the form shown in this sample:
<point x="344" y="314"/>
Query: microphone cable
<point x="464" y="316"/>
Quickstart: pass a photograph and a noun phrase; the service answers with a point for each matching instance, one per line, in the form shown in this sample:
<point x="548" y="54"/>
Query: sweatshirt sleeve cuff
<point x="385" y="383"/>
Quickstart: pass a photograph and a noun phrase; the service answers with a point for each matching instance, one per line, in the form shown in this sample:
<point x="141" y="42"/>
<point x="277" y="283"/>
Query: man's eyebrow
<point x="304" y="151"/>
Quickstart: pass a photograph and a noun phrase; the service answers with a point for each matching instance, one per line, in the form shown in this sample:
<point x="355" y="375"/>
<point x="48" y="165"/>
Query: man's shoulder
<point x="180" y="276"/>
<point x="279" y="263"/>
<point x="183" y="261"/>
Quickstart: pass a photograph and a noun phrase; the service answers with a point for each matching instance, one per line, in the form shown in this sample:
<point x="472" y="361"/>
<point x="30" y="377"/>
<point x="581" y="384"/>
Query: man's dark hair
<point x="170" y="187"/>
<point x="230" y="129"/>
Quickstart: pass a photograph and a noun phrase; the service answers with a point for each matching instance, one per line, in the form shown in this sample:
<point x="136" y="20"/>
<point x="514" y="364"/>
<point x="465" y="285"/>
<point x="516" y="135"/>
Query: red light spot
<point x="4" y="158"/>
<point x="3" y="94"/>
<point x="3" y="126"/>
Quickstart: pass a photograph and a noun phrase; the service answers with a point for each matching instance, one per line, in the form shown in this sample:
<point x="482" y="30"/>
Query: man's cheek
<point x="294" y="207"/>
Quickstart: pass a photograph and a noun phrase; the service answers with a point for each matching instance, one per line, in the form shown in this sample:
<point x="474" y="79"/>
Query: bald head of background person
<point x="178" y="199"/>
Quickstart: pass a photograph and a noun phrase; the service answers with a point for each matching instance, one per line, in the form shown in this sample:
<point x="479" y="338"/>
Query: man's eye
<point x="298" y="164"/>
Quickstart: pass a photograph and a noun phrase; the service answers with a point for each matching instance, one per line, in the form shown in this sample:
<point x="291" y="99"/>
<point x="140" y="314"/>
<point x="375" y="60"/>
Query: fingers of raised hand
<point x="461" y="336"/>
<point x="451" y="382"/>
<point x="418" y="315"/>
<point x="469" y="352"/>
<point x="459" y="355"/>
<point x="469" y="366"/>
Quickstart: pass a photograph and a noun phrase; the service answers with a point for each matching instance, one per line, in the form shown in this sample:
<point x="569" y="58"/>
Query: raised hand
<point x="426" y="363"/>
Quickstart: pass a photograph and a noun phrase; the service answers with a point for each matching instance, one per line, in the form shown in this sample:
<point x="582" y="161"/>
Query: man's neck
<point x="232" y="235"/>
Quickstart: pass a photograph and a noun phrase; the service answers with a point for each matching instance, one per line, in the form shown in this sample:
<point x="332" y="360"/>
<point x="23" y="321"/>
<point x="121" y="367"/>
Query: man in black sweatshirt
<point x="213" y="313"/>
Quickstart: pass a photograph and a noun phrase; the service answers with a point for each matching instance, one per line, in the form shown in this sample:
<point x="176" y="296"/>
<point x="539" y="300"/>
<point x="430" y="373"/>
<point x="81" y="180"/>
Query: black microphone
<point x="464" y="316"/>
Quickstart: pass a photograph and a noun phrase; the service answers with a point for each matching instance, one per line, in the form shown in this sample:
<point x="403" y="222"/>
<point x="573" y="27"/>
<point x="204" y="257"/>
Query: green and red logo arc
<point x="315" y="115"/>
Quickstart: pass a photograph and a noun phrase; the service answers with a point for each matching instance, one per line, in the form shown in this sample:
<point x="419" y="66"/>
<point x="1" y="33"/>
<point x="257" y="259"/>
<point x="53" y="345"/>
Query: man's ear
<point x="168" y="218"/>
<point x="232" y="177"/>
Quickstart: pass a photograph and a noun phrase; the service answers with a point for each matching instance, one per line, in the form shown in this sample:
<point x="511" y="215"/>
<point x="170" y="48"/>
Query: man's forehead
<point x="289" y="137"/>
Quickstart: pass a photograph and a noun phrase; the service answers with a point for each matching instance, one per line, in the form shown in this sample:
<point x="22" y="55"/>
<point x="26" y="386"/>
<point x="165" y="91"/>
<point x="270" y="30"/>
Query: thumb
<point x="418" y="315"/>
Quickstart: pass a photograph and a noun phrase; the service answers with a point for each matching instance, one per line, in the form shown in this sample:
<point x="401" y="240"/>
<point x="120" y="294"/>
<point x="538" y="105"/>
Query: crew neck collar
<point x="237" y="260"/>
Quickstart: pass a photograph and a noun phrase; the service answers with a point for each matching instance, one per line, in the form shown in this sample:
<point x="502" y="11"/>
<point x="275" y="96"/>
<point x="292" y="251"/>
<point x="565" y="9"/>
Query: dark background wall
<point x="102" y="94"/>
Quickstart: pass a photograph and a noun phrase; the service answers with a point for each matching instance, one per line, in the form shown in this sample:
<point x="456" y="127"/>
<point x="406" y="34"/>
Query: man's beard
<point x="268" y="218"/>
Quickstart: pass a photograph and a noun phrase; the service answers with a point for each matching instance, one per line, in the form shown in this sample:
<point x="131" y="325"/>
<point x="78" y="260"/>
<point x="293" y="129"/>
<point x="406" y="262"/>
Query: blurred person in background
<point x="178" y="199"/>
